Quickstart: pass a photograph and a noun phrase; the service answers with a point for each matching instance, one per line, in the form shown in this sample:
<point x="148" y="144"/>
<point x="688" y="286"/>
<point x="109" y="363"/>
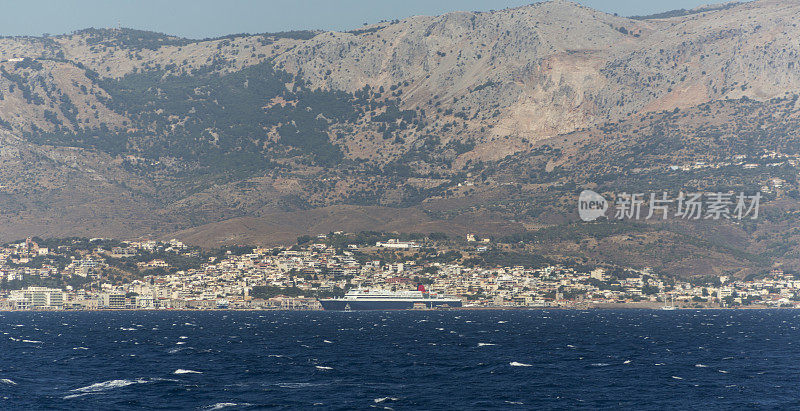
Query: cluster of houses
<point x="278" y="278"/>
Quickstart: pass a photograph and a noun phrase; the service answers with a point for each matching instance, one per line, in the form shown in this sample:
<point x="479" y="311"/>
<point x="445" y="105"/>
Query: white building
<point x="393" y="243"/>
<point x="38" y="298"/>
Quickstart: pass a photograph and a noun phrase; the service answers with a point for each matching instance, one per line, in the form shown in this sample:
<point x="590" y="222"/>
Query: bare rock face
<point x="555" y="67"/>
<point x="508" y="77"/>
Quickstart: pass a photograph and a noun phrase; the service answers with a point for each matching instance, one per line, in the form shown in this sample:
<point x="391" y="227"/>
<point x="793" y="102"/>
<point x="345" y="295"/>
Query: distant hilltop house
<point x="396" y="244"/>
<point x="472" y="238"/>
<point x="119" y="252"/>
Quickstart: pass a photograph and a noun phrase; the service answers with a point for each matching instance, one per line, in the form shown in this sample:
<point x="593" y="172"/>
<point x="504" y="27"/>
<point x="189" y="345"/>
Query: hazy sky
<point x="207" y="18"/>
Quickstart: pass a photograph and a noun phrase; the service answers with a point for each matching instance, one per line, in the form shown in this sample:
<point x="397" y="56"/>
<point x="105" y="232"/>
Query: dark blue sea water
<point x="400" y="360"/>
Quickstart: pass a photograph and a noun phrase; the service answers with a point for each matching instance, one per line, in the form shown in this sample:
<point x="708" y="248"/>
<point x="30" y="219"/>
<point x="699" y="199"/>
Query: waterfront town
<point x="97" y="274"/>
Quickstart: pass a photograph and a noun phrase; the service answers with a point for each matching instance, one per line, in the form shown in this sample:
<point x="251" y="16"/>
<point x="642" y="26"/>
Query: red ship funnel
<point x="421" y="288"/>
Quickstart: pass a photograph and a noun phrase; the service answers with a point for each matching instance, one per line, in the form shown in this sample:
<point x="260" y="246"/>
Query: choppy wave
<point x="221" y="405"/>
<point x="104" y="386"/>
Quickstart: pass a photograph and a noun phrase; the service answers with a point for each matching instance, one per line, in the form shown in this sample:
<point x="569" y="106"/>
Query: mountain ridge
<point x="468" y="121"/>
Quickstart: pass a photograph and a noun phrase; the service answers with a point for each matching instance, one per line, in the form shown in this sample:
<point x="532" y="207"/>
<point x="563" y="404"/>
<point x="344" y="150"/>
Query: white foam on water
<point x="7" y="381"/>
<point x="519" y="364"/>
<point x="723" y="371"/>
<point x="514" y="402"/>
<point x="104" y="386"/>
<point x="700" y="365"/>
<point x="67" y="397"/>
<point x="502" y="322"/>
<point x="677" y="378"/>
<point x="384" y="399"/>
<point x="127" y="328"/>
<point x="182" y="371"/>
<point x="627" y="362"/>
<point x="327" y="342"/>
<point x="79" y="348"/>
<point x="221" y="405"/>
<point x="320" y="367"/>
<point x="296" y="384"/>
<point x="480" y="344"/>
<point x="600" y="364"/>
<point x="32" y="341"/>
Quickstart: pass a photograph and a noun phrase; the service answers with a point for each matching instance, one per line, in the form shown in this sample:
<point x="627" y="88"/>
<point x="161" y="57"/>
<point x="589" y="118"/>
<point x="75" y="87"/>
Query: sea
<point x="464" y="359"/>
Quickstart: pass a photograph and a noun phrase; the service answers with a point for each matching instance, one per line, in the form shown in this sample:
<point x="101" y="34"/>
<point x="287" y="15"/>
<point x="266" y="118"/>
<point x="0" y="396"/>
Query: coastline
<point x="609" y="307"/>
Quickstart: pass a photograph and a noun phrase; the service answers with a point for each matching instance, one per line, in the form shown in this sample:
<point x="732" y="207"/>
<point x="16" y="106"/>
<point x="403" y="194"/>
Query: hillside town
<point x="91" y="276"/>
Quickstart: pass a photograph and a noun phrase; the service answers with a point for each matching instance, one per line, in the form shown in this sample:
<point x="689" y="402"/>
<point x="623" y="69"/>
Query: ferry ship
<point x="366" y="299"/>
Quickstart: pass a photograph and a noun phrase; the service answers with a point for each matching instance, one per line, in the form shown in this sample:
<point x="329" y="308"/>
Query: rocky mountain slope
<point x="470" y="121"/>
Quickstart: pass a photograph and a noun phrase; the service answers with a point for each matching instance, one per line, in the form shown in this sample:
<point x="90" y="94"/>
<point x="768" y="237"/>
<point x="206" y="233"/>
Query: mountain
<point x="488" y="122"/>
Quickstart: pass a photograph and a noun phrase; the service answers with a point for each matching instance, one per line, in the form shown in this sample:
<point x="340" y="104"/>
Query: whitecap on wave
<point x="480" y="344"/>
<point x="519" y="364"/>
<point x="221" y="405"/>
<point x="104" y="386"/>
<point x="384" y="399"/>
<point x="182" y="371"/>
